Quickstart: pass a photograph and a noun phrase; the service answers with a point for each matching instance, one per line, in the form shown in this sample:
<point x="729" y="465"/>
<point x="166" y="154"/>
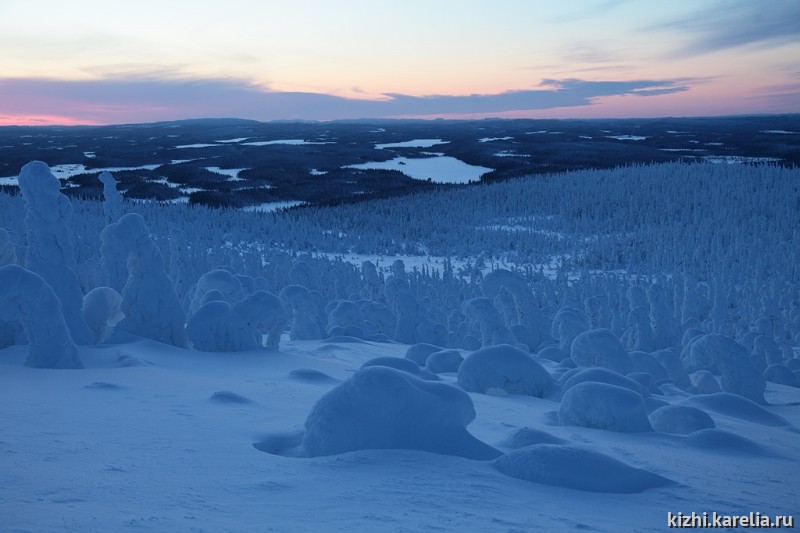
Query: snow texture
<point x="504" y="368"/>
<point x="381" y="408"/>
<point x="50" y="251"/>
<point x="603" y="406"/>
<point x="444" y="361"/>
<point x="419" y="352"/>
<point x="577" y="468"/>
<point x="604" y="375"/>
<point x="264" y="314"/>
<point x="8" y="255"/>
<point x="26" y="297"/>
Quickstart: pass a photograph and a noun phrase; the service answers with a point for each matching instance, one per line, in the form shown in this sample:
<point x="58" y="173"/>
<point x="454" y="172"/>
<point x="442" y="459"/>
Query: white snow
<point x="739" y="159"/>
<point x="436" y="169"/>
<point x="781" y="132"/>
<point x="236" y="140"/>
<point x="414" y="143"/>
<point x="490" y="139"/>
<point x="197" y="145"/>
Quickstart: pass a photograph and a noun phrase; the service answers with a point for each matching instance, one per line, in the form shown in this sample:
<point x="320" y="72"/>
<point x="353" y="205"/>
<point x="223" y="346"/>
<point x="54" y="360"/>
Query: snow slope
<point x="149" y="437"/>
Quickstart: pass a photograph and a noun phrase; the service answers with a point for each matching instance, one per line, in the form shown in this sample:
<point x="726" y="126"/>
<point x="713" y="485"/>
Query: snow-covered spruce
<point x="603" y="375"/>
<point x="220" y="280"/>
<point x="482" y="312"/>
<point x="305" y="323"/>
<point x="383" y="408"/>
<point x="401" y="363"/>
<point x="526" y="310"/>
<point x="504" y="369"/>
<point x="149" y="302"/>
<point x="419" y="352"/>
<point x="50" y="251"/>
<point x="112" y="199"/>
<point x="603" y="406"/>
<point x="444" y="361"/>
<point x="26" y="297"/>
<point x="8" y="255"/>
<point x="738" y="375"/>
<point x="265" y="315"/>
<point x="576" y="468"/>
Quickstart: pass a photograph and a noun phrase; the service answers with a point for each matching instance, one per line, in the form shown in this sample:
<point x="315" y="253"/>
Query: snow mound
<point x="780" y="374"/>
<point x="399" y="363"/>
<point x="383" y="408"/>
<point x="102" y="385"/>
<point x="705" y="382"/>
<point x="720" y="441"/>
<point x="599" y="347"/>
<point x="645" y="362"/>
<point x="577" y="468"/>
<point x="419" y="352"/>
<point x="102" y="310"/>
<point x="602" y="406"/>
<point x="738" y="407"/>
<point x="310" y="375"/>
<point x="680" y="419"/>
<point x="444" y="361"/>
<point x="507" y="368"/>
<point x="228" y="397"/>
<point x="604" y="375"/>
<point x="553" y="353"/>
<point x="529" y="436"/>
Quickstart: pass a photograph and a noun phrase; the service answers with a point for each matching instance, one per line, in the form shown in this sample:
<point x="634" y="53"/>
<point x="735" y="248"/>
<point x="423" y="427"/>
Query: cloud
<point x="147" y="100"/>
<point x="737" y="23"/>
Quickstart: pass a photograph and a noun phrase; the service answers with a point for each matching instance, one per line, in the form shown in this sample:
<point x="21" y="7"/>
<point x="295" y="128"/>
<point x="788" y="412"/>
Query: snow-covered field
<point x="164" y="368"/>
<point x="146" y="438"/>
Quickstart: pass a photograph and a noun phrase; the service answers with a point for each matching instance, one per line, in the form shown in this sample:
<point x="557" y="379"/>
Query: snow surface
<point x="414" y="143"/>
<point x="149" y="437"/>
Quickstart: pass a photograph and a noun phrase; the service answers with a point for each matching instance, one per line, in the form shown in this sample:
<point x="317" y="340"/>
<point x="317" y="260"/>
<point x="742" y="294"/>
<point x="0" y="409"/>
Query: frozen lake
<point x="414" y="143"/>
<point x="437" y="169"/>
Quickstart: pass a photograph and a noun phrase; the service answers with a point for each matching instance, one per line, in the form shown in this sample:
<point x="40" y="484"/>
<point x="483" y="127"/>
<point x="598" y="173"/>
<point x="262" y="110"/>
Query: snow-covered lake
<point x="437" y="169"/>
<point x="414" y="143"/>
<point x="627" y="137"/>
<point x="69" y="170"/>
<point x="232" y="173"/>
<point x="291" y="142"/>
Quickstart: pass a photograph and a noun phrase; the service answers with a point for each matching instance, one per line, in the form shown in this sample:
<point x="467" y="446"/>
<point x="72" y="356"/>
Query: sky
<point x="101" y="62"/>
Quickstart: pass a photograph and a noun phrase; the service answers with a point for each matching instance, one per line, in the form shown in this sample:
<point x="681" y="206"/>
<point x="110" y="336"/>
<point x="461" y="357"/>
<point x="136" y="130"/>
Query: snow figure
<point x="482" y="312"/>
<point x="527" y="310"/>
<point x="220" y="280"/>
<point x="112" y="199"/>
<point x="560" y="465"/>
<point x="664" y="328"/>
<point x="767" y="348"/>
<point x="406" y="309"/>
<point x="102" y="311"/>
<point x="504" y="369"/>
<point x="602" y="406"/>
<point x="305" y="324"/>
<point x="567" y="324"/>
<point x="149" y="302"/>
<point x="680" y="419"/>
<point x="419" y="352"/>
<point x="302" y="274"/>
<point x="7" y="254"/>
<point x="50" y="251"/>
<point x="25" y="296"/>
<point x="264" y="314"/>
<point x="444" y="361"/>
<point x="216" y="327"/>
<point x="731" y="360"/>
<point x="604" y="375"/>
<point x="599" y="347"/>
<point x="346" y="314"/>
<point x="383" y="408"/>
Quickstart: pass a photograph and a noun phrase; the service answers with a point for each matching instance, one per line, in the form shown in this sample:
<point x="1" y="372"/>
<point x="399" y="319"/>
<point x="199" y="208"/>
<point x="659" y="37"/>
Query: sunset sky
<point x="101" y="62"/>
